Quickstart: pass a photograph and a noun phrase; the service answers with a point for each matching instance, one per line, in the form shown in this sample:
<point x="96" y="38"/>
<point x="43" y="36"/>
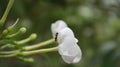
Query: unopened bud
<point x="23" y="30"/>
<point x="33" y="36"/>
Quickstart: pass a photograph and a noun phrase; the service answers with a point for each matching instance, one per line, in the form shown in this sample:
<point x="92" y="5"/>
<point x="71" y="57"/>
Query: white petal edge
<point x="57" y="26"/>
<point x="66" y="32"/>
<point x="70" y="51"/>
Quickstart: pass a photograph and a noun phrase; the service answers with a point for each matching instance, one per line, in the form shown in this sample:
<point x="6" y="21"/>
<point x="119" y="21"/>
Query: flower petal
<point x="70" y="51"/>
<point x="78" y="56"/>
<point x="67" y="59"/>
<point x="57" y="26"/>
<point x="66" y="32"/>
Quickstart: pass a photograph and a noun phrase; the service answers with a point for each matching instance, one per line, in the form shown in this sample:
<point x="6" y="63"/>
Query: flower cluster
<point x="67" y="48"/>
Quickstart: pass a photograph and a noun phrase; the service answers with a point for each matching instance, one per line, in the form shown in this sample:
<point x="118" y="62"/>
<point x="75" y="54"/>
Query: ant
<point x="56" y="35"/>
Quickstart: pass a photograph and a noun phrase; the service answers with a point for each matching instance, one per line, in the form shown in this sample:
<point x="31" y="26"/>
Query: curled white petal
<point x="57" y="26"/>
<point x="76" y="40"/>
<point x="66" y="32"/>
<point x="70" y="51"/>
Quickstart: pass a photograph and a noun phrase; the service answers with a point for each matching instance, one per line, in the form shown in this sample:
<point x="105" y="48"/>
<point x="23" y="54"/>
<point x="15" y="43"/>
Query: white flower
<point x="67" y="48"/>
<point x="66" y="32"/>
<point x="57" y="26"/>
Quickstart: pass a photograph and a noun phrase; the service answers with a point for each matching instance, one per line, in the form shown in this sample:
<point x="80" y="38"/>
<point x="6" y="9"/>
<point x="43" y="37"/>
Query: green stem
<point x="26" y="59"/>
<point x="39" y="45"/>
<point x="11" y="55"/>
<point x="25" y="53"/>
<point x="5" y="46"/>
<point x="2" y="21"/>
<point x="30" y="38"/>
<point x="9" y="52"/>
<point x="21" y="31"/>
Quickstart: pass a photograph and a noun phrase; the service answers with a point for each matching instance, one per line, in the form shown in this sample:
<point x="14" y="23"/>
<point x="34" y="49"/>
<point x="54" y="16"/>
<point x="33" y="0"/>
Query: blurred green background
<point x="96" y="24"/>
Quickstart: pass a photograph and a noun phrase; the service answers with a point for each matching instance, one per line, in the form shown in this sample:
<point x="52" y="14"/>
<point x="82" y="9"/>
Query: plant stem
<point x="21" y="31"/>
<point x="9" y="52"/>
<point x="2" y="21"/>
<point x="31" y="37"/>
<point x="25" y="53"/>
<point x="17" y="52"/>
<point x="39" y="44"/>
